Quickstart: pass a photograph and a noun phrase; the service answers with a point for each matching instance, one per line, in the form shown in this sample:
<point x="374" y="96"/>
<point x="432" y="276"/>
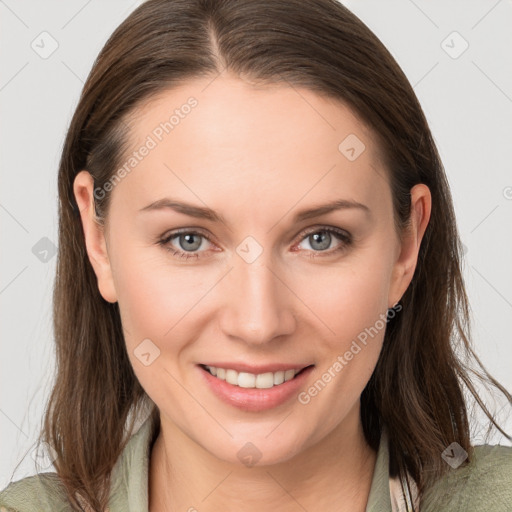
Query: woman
<point x="259" y="262"/>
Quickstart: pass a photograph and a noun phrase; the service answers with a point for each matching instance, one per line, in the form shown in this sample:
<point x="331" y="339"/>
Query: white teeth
<point x="249" y="380"/>
<point x="232" y="377"/>
<point x="278" y="378"/>
<point x="265" y="380"/>
<point x="245" y="380"/>
<point x="289" y="374"/>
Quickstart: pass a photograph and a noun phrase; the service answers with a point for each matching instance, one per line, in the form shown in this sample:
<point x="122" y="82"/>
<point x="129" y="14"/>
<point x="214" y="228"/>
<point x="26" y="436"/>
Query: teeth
<point x="249" y="380"/>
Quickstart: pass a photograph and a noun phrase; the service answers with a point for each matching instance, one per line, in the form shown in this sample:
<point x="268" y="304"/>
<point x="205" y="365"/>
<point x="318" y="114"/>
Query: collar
<point x="379" y="499"/>
<point x="129" y="483"/>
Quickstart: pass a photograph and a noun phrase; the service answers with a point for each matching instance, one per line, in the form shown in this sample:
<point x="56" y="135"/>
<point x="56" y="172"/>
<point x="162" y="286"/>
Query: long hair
<point x="417" y="388"/>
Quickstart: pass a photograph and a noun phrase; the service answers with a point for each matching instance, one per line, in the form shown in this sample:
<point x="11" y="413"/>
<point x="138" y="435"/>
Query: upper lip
<point x="256" y="370"/>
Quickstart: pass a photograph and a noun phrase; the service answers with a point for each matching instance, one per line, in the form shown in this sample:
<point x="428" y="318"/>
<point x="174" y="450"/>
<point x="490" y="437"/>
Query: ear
<point x="403" y="270"/>
<point x="95" y="241"/>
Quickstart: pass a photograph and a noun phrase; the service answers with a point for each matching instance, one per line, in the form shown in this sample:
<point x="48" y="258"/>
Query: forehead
<point x="229" y="106"/>
<point x="222" y="135"/>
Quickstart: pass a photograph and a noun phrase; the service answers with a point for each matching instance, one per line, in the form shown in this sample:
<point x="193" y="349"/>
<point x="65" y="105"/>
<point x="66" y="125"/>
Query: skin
<point x="255" y="155"/>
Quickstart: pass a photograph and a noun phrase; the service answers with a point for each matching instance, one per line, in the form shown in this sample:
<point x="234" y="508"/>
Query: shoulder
<point x="42" y="492"/>
<point x="485" y="483"/>
<point x="45" y="492"/>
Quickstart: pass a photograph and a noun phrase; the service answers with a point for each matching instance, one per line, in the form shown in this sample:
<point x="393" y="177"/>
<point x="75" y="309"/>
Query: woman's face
<point x="252" y="281"/>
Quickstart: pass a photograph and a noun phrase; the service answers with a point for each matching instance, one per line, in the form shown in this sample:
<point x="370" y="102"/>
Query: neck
<point x="334" y="474"/>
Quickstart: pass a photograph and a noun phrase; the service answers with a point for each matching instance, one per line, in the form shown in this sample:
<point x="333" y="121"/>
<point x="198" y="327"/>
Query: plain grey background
<point x="456" y="54"/>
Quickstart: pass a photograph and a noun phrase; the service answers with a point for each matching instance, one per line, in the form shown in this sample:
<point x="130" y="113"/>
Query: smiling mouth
<point x="252" y="381"/>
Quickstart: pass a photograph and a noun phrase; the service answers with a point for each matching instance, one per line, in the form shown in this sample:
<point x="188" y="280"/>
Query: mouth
<point x="255" y="392"/>
<point x="247" y="380"/>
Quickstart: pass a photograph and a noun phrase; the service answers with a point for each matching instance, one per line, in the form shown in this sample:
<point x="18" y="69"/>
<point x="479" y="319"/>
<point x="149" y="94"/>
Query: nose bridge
<point x="257" y="307"/>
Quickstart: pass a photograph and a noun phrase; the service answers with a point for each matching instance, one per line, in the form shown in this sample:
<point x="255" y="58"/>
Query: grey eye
<point x="320" y="241"/>
<point x="187" y="242"/>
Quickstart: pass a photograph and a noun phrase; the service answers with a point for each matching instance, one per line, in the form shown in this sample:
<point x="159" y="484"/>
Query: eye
<point x="187" y="242"/>
<point x="321" y="238"/>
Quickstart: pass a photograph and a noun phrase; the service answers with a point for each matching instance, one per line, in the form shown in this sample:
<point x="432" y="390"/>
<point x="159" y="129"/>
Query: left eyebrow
<point x="340" y="204"/>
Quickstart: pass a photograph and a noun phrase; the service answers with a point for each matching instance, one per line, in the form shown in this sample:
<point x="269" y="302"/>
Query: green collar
<point x="129" y="490"/>
<point x="379" y="499"/>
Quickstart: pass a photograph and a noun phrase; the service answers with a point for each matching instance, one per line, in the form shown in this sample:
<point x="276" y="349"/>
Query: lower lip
<point x="252" y="399"/>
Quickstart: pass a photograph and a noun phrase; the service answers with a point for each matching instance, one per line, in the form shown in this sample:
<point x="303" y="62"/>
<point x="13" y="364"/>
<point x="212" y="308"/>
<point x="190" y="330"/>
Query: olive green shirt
<point x="483" y="485"/>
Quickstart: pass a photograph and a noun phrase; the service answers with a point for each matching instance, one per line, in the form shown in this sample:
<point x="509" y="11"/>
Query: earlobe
<point x="94" y="235"/>
<point x="421" y="204"/>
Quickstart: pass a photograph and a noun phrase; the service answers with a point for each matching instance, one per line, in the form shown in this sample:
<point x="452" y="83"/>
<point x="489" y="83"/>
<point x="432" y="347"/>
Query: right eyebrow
<point x="191" y="210"/>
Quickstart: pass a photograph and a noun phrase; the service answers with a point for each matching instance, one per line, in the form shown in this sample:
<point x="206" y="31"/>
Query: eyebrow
<point x="201" y="212"/>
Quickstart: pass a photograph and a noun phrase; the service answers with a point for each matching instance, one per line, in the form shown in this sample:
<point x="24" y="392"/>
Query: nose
<point x="257" y="305"/>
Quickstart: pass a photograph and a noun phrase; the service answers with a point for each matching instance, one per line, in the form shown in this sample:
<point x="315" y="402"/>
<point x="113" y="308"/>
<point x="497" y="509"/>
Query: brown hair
<point x="416" y="390"/>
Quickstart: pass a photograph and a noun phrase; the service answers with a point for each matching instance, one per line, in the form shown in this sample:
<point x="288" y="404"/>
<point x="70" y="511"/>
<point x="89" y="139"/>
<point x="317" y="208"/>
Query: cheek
<point x="157" y="302"/>
<point x="352" y="302"/>
<point x="346" y="298"/>
<point x="156" y="297"/>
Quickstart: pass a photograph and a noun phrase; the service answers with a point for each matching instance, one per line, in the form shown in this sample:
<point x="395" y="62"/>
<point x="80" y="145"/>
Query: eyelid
<point x="323" y="227"/>
<point x="186" y="231"/>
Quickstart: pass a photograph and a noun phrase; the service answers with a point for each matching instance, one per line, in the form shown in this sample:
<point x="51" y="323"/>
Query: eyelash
<point x="343" y="236"/>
